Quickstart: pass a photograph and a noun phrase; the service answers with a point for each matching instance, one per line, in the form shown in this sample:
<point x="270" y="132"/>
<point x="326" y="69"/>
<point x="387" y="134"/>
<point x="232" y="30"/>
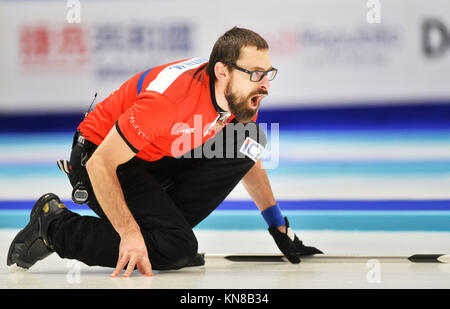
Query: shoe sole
<point x="17" y="246"/>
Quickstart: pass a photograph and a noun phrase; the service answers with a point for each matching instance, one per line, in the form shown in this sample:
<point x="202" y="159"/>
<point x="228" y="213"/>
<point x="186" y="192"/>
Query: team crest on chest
<point x="220" y="122"/>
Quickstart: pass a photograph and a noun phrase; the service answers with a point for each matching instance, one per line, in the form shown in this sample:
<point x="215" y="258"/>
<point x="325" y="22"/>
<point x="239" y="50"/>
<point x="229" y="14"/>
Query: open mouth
<point x="254" y="101"/>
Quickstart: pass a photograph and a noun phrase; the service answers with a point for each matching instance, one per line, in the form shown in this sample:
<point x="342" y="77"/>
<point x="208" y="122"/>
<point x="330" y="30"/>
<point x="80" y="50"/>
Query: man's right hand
<point x="102" y="171"/>
<point x="132" y="250"/>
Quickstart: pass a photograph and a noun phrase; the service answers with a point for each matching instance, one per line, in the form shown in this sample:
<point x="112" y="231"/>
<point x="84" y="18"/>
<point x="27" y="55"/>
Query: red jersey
<point x="165" y="111"/>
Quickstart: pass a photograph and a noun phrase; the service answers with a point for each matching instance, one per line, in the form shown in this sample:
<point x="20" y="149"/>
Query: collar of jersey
<point x="218" y="109"/>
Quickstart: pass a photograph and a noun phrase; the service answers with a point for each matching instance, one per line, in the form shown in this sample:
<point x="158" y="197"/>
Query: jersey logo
<point x="220" y="122"/>
<point x="186" y="131"/>
<point x="251" y="149"/>
<point x="167" y="76"/>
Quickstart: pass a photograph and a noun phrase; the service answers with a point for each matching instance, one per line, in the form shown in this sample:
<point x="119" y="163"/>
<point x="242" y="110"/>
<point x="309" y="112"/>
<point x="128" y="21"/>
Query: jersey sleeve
<point x="150" y="116"/>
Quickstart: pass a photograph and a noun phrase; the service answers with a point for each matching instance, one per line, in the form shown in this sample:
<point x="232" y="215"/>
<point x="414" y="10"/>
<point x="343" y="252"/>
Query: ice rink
<point x="348" y="193"/>
<point x="218" y="273"/>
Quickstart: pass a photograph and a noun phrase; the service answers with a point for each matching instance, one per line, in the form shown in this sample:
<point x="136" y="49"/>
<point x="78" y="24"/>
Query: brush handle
<point x="320" y="258"/>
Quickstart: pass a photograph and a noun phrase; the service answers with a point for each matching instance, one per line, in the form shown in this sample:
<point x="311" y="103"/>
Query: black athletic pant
<point x="167" y="198"/>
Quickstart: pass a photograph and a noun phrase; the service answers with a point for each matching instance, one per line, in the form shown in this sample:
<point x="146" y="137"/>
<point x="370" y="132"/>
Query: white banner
<point x="57" y="54"/>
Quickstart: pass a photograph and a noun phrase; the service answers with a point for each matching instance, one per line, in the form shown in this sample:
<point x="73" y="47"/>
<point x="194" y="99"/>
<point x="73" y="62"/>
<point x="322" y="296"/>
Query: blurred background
<point x="358" y="117"/>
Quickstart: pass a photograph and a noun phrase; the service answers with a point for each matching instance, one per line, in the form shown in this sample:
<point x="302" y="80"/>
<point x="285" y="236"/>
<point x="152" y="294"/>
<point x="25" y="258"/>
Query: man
<point x="142" y="161"/>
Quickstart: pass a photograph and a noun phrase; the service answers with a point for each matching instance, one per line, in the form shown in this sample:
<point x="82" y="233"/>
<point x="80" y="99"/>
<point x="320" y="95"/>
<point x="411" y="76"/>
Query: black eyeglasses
<point x="256" y="76"/>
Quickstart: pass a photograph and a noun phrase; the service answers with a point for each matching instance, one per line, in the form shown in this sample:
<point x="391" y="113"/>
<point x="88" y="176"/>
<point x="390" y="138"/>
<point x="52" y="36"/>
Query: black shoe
<point x="32" y="243"/>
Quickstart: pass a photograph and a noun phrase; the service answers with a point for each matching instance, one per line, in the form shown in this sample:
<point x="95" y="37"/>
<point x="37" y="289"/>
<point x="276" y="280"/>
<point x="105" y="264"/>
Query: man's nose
<point x="264" y="83"/>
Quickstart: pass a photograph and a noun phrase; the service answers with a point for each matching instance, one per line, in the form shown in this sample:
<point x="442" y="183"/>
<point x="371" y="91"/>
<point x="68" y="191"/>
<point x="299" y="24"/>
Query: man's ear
<point x="221" y="71"/>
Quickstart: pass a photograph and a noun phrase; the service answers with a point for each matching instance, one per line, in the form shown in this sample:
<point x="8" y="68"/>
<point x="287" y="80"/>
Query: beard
<point x="238" y="105"/>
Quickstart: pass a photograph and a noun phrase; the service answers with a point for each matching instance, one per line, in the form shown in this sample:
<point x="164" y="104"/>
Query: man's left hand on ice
<point x="290" y="245"/>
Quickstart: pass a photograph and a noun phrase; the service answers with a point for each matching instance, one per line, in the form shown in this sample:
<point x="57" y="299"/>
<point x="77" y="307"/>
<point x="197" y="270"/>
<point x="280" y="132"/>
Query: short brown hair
<point x="228" y="47"/>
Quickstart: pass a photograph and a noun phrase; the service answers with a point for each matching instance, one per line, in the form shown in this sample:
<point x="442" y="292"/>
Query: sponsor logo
<point x="234" y="140"/>
<point x="358" y="45"/>
<point x="119" y="49"/>
<point x="138" y="129"/>
<point x="435" y="38"/>
<point x="188" y="64"/>
<point x="110" y="50"/>
<point x="169" y="74"/>
<point x="251" y="149"/>
<point x="186" y="131"/>
<point x="53" y="47"/>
